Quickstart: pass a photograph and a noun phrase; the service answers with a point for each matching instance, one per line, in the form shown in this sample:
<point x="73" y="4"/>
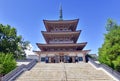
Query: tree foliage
<point x="10" y="42"/>
<point x="109" y="53"/>
<point x="7" y="63"/>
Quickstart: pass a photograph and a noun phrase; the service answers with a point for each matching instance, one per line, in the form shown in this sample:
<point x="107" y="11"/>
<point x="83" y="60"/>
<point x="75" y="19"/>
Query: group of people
<point x="65" y="59"/>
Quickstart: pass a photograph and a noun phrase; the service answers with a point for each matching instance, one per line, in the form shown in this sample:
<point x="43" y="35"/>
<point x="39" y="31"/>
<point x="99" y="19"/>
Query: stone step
<point x="64" y="72"/>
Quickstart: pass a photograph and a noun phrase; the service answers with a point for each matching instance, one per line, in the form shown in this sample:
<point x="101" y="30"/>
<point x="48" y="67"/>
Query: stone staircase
<point x="64" y="72"/>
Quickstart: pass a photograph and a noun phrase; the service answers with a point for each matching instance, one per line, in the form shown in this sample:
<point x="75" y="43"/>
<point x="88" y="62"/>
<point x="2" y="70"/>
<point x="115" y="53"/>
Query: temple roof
<point x="60" y="23"/>
<point x="61" y="33"/>
<point x="51" y="35"/>
<point x="78" y="46"/>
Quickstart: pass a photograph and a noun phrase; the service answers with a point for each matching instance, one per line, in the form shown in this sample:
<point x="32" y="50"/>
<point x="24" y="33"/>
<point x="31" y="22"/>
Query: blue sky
<point x="27" y="17"/>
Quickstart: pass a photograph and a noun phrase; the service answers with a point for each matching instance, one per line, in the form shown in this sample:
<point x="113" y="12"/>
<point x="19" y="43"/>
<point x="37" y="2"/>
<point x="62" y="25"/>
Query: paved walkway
<point x="64" y="72"/>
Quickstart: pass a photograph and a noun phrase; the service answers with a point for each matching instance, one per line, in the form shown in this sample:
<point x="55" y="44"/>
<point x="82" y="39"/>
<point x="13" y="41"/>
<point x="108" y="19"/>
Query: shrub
<point x="7" y="63"/>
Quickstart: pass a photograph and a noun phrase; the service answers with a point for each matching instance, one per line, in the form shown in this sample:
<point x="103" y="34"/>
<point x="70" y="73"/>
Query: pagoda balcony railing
<point x="61" y="42"/>
<point x="60" y="50"/>
<point x="61" y="30"/>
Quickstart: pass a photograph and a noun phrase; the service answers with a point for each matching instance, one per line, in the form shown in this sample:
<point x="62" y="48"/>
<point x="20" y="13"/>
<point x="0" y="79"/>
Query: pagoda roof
<point x="61" y="21"/>
<point x="52" y="23"/>
<point x="62" y="33"/>
<point x="78" y="46"/>
<point x="51" y="35"/>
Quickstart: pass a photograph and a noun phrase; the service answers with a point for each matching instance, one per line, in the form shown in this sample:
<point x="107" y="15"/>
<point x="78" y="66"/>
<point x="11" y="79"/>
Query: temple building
<point x="61" y="42"/>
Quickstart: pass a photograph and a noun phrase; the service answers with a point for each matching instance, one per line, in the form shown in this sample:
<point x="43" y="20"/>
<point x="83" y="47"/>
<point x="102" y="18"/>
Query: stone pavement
<point x="64" y="72"/>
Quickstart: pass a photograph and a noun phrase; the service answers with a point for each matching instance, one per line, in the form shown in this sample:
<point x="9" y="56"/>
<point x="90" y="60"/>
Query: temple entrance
<point x="61" y="55"/>
<point x="52" y="59"/>
<point x="70" y="60"/>
<point x="61" y="58"/>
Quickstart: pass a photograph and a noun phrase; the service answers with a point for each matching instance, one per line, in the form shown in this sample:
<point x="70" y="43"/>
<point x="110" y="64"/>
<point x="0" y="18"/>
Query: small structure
<point x="61" y="42"/>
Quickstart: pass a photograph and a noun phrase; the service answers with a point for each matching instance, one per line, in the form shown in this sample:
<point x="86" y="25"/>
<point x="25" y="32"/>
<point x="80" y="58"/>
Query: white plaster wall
<point x="72" y="54"/>
<point x="51" y="55"/>
<point x="32" y="57"/>
<point x="80" y="54"/>
<point x="43" y="55"/>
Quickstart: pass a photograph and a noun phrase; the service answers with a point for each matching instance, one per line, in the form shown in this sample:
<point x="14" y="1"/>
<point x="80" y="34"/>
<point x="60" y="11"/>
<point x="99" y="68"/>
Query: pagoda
<point x="61" y="42"/>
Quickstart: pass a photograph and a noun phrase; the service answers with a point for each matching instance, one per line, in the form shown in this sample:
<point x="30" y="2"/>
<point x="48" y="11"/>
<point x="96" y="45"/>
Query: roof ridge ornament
<point x="60" y="15"/>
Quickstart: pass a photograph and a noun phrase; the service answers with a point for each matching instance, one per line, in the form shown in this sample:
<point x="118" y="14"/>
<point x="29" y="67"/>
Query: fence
<point x="16" y="72"/>
<point x="112" y="72"/>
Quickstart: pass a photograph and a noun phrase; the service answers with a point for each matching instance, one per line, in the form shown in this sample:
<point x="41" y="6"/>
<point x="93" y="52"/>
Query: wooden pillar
<point x="58" y="59"/>
<point x="76" y="58"/>
<point x="39" y="58"/>
<point x="73" y="59"/>
<point x="64" y="58"/>
<point x="84" y="58"/>
<point x="49" y="59"/>
<point x="55" y="58"/>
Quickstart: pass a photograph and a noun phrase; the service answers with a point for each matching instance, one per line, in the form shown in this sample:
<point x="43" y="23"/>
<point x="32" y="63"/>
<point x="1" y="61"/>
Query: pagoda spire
<point x="60" y="15"/>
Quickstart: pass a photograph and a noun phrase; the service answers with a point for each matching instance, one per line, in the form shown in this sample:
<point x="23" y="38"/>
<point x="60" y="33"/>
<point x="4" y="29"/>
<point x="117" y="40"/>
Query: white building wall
<point x="80" y="55"/>
<point x="32" y="57"/>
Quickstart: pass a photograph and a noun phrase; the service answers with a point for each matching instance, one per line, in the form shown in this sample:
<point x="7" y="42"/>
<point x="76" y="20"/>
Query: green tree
<point x="10" y="42"/>
<point x="109" y="53"/>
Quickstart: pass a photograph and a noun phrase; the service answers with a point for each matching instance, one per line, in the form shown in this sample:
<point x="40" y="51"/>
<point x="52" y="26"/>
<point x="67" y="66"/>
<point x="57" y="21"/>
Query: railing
<point x="26" y="60"/>
<point x="61" y="41"/>
<point x="31" y="64"/>
<point x="94" y="63"/>
<point x="16" y="72"/>
<point x="112" y="72"/>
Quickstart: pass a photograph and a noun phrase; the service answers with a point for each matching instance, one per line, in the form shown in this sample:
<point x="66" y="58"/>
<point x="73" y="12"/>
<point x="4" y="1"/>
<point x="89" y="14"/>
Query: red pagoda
<point x="61" y="42"/>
